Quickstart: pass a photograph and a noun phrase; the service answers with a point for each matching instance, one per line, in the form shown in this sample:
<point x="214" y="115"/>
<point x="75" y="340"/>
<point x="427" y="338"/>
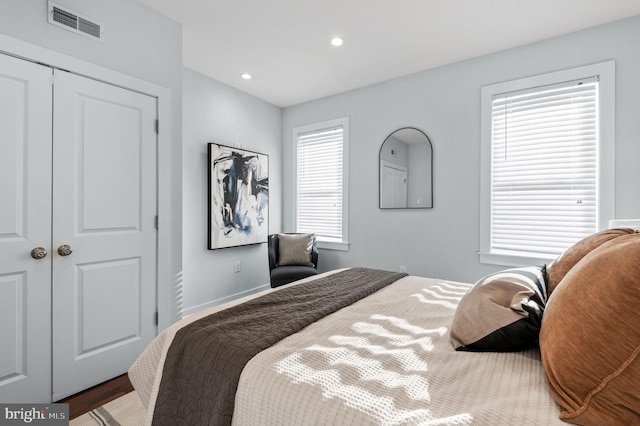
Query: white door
<point x="104" y="191"/>
<point x="25" y="223"/>
<point x="393" y="186"/>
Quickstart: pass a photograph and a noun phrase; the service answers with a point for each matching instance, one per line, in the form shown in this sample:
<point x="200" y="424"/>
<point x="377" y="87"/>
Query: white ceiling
<point x="284" y="44"/>
<point x="410" y="136"/>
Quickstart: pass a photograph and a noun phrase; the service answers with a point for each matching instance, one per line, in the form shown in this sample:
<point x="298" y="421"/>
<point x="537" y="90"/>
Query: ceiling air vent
<point x="70" y="20"/>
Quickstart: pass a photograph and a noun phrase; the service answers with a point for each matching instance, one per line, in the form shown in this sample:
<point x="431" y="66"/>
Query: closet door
<point x="104" y="236"/>
<point x="25" y="224"/>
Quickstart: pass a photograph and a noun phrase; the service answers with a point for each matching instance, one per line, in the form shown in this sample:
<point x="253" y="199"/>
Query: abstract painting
<point x="238" y="197"/>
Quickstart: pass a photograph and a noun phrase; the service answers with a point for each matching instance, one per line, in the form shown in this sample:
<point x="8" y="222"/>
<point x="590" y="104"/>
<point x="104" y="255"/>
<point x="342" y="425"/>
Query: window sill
<point x="521" y="260"/>
<point x="333" y="245"/>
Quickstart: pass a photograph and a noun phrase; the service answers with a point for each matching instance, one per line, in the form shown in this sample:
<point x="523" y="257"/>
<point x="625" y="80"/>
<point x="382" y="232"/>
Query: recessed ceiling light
<point x="337" y="41"/>
<point x="246" y="76"/>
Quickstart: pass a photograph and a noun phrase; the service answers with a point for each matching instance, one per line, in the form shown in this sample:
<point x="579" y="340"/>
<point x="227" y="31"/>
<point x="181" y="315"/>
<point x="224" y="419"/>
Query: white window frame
<point x="606" y="152"/>
<point x="343" y="122"/>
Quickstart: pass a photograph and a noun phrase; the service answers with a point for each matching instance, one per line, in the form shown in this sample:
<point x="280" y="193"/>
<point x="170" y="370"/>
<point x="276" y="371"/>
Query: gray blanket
<point x="204" y="363"/>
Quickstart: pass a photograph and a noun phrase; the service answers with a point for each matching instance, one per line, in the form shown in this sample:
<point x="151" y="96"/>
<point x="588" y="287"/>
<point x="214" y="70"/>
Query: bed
<point x="359" y="346"/>
<point x="384" y="359"/>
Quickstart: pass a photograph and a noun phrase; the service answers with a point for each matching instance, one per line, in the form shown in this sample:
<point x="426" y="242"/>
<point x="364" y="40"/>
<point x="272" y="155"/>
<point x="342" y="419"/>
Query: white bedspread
<point x="387" y="360"/>
<point x="384" y="360"/>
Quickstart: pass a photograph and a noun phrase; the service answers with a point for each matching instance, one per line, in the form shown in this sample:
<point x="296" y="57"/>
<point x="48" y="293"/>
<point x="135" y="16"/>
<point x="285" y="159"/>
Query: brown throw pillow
<point x="501" y="312"/>
<point x="295" y="249"/>
<point x="590" y="337"/>
<point x="559" y="267"/>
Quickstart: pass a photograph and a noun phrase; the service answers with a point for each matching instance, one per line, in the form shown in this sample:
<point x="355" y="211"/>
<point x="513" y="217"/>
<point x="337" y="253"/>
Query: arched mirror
<point x="406" y="176"/>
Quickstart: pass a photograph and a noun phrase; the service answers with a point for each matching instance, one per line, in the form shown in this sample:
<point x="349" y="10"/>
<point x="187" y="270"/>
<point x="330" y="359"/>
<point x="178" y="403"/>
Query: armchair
<point x="292" y="257"/>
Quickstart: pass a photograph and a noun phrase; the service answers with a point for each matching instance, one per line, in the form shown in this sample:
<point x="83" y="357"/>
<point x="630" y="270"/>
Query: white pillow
<point x="295" y="249"/>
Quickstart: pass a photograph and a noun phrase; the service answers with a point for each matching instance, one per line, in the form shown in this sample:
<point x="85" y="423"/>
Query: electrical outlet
<point x="403" y="268"/>
<point x="236" y="266"/>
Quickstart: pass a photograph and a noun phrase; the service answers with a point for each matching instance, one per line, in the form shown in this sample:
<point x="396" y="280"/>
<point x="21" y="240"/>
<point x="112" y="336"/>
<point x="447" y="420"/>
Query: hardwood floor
<point x="98" y="395"/>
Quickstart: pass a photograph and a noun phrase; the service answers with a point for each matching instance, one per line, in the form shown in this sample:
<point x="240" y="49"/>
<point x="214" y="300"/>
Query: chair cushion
<point x="287" y="274"/>
<point x="559" y="267"/>
<point x="590" y="337"/>
<point x="501" y="312"/>
<point x="295" y="249"/>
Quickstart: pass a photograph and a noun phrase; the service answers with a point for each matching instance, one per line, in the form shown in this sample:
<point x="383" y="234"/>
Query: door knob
<point x="64" y="250"/>
<point x="38" y="253"/>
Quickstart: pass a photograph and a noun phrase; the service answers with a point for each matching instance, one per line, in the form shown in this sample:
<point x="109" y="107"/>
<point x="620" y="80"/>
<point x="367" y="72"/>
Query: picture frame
<point x="238" y="197"/>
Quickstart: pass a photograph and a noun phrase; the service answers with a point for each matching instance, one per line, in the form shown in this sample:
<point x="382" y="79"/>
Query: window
<point x="320" y="189"/>
<point x="547" y="163"/>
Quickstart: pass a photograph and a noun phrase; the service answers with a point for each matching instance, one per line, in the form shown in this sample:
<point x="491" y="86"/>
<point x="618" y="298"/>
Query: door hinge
<point x="155" y="318"/>
<point x="156" y="224"/>
<point x="157" y="126"/>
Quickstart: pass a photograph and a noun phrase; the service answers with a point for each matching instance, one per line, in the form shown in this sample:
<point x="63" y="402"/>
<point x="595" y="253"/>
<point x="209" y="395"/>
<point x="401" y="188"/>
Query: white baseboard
<point x="198" y="308"/>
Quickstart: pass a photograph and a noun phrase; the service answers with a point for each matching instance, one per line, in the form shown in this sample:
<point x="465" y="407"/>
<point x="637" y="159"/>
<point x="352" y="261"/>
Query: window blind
<point x="544" y="167"/>
<point x="319" y="183"/>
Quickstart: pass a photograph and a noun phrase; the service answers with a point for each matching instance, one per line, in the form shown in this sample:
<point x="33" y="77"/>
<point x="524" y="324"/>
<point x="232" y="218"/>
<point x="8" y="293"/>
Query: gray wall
<point x="215" y="112"/>
<point x="445" y="103"/>
<point x="400" y="154"/>
<point x="138" y="42"/>
<point x="419" y="175"/>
